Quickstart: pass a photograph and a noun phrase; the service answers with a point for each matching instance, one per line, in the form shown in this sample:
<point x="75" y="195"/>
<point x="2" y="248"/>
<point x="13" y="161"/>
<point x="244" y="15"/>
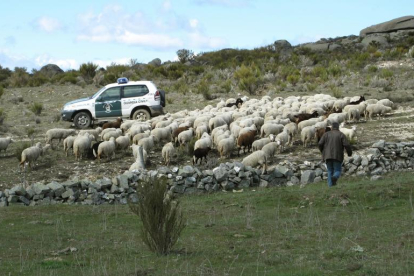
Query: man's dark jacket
<point x="332" y="145"/>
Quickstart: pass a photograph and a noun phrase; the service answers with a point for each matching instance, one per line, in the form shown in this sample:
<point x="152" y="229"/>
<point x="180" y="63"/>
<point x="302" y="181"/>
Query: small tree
<point x="162" y="220"/>
<point x="185" y="55"/>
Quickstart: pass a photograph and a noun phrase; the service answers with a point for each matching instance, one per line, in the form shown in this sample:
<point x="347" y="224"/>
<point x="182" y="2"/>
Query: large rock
<point x="378" y="39"/>
<point x="307" y="177"/>
<point x="401" y="23"/>
<point x="51" y="70"/>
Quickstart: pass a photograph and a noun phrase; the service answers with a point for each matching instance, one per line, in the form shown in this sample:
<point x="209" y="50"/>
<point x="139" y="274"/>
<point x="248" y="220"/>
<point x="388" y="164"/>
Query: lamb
<point x="220" y="136"/>
<point x="95" y="132"/>
<point x="200" y="130"/>
<point x="82" y="144"/>
<point x="200" y="153"/>
<point x="122" y="142"/>
<point x="292" y="130"/>
<point x="103" y="132"/>
<point x="4" y="143"/>
<point x="167" y="152"/>
<point x="115" y="134"/>
<point x="349" y="133"/>
<point x="269" y="128"/>
<point x="31" y="154"/>
<point x="113" y="124"/>
<point x="245" y="140"/>
<point x="59" y="134"/>
<point x="163" y="124"/>
<point x="354" y="114"/>
<point x="68" y="144"/>
<point x="107" y="148"/>
<point x="139" y="136"/>
<point x="185" y="136"/>
<point x="256" y="158"/>
<point x="259" y="144"/>
<point x="204" y="142"/>
<point x="307" y="134"/>
<point x="162" y="134"/>
<point x="135" y="153"/>
<point x="93" y="151"/>
<point x="270" y="149"/>
<point x="376" y="109"/>
<point x="147" y="143"/>
<point x="282" y="139"/>
<point x="226" y="146"/>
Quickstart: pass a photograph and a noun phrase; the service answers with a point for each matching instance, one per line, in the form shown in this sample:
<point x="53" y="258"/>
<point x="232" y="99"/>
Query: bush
<point x="203" y="89"/>
<point x="1" y="91"/>
<point x="337" y="93"/>
<point x="19" y="147"/>
<point x="37" y="79"/>
<point x="161" y="217"/>
<point x="19" y="77"/>
<point x="2" y="116"/>
<point x="249" y="78"/>
<point x="372" y="69"/>
<point x="227" y="86"/>
<point x="386" y="74"/>
<point x="88" y="71"/>
<point x="36" y="108"/>
<point x="185" y="55"/>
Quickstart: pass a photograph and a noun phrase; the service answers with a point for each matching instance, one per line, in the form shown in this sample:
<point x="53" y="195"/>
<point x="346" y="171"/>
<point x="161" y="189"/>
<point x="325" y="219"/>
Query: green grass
<point x="359" y="227"/>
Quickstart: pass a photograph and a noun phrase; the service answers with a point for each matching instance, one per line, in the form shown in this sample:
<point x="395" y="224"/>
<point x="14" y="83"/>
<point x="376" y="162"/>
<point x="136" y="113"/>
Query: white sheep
<point x="31" y="154"/>
<point x="292" y="130"/>
<point x="216" y="122"/>
<point x="386" y="102"/>
<point x="162" y="134"/>
<point x="82" y="144"/>
<point x="204" y="142"/>
<point x="256" y="158"/>
<point x="167" y="152"/>
<point x="200" y="130"/>
<point x="307" y="134"/>
<point x="350" y="133"/>
<point x="259" y="144"/>
<point x="103" y="132"/>
<point x="58" y="134"/>
<point x="185" y="136"/>
<point x="270" y="149"/>
<point x="282" y="139"/>
<point x="123" y="142"/>
<point x="376" y="109"/>
<point x="269" y="128"/>
<point x="95" y="132"/>
<point x="68" y="143"/>
<point x="115" y="134"/>
<point x="4" y="143"/>
<point x="226" y="146"/>
<point x="107" y="148"/>
<point x="220" y="136"/>
<point x="139" y="136"/>
<point x="147" y="143"/>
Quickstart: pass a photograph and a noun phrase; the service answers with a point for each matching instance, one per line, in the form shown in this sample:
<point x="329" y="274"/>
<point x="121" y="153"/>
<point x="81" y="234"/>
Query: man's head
<point x="335" y="125"/>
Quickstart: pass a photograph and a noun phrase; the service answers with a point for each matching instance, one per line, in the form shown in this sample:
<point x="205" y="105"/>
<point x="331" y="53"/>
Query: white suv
<point x="138" y="100"/>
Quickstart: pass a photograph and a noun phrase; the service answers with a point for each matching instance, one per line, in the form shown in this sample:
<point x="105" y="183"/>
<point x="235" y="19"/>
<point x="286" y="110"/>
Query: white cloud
<point x="198" y="40"/>
<point x="166" y="5"/>
<point x="48" y="24"/>
<point x="227" y="3"/>
<point x="11" y="60"/>
<point x="152" y="40"/>
<point x="193" y="23"/>
<point x="64" y="64"/>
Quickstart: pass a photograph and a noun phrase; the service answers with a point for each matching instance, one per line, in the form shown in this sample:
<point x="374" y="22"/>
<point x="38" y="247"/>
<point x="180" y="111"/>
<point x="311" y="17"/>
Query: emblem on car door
<point x="107" y="107"/>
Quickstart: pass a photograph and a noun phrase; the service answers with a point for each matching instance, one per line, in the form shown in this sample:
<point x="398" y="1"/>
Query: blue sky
<point x="69" y="33"/>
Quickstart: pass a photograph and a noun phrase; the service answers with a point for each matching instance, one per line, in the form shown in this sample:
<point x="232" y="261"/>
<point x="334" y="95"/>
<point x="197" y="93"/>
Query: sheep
<point x="337" y="117"/>
<point x="354" y="101"/>
<point x="59" y="134"/>
<point x="93" y="151"/>
<point x="126" y="125"/>
<point x="309" y="122"/>
<point x="354" y="114"/>
<point x="139" y="136"/>
<point x="258" y="144"/>
<point x="167" y="152"/>
<point x="376" y="109"/>
<point x="95" y="132"/>
<point x="220" y="136"/>
<point x="68" y="144"/>
<point x="163" y="124"/>
<point x="204" y="142"/>
<point x="147" y="143"/>
<point x="174" y="136"/>
<point x="226" y="146"/>
<point x="185" y="136"/>
<point x="123" y="142"/>
<point x="270" y="149"/>
<point x="135" y="149"/>
<point x="386" y="102"/>
<point x="245" y="140"/>
<point x="4" y="143"/>
<point x="350" y="133"/>
<point x="216" y="122"/>
<point x="305" y="116"/>
<point x="307" y="134"/>
<point x="200" y="153"/>
<point x="268" y="129"/>
<point x="256" y="158"/>
<point x="107" y="148"/>
<point x="115" y="134"/>
<point x="114" y="124"/>
<point x="282" y="139"/>
<point x="320" y="132"/>
<point x="292" y="130"/>
<point x="162" y="134"/>
<point x="103" y="132"/>
<point x="81" y="145"/>
<point x="200" y="130"/>
<point x="31" y="154"/>
<point x="238" y="103"/>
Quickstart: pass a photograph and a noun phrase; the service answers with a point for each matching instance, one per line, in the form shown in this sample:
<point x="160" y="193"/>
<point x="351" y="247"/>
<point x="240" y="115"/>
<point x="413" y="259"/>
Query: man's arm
<point x="321" y="143"/>
<point x="346" y="145"/>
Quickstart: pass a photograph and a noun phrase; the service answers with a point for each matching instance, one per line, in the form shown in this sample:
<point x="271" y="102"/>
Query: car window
<point x="135" y="91"/>
<point x="111" y="94"/>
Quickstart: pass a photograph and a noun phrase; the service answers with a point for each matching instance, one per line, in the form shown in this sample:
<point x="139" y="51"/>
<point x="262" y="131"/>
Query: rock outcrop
<point x="397" y="24"/>
<point x="50" y="70"/>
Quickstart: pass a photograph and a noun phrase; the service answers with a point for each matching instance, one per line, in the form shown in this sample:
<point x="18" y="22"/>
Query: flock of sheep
<point x="264" y="126"/>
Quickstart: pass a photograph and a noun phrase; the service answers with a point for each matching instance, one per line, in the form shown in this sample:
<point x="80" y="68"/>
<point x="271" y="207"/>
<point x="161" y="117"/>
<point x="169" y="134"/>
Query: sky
<point x="70" y="33"/>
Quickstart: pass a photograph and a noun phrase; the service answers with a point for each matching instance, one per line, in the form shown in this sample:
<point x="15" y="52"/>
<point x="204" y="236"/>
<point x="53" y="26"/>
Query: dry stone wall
<point x="380" y="158"/>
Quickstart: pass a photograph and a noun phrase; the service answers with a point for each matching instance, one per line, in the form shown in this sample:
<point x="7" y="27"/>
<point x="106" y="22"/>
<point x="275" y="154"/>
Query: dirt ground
<point x="55" y="166"/>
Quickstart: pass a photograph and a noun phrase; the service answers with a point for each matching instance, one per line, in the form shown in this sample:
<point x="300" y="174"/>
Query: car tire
<point x="82" y="120"/>
<point x="141" y="115"/>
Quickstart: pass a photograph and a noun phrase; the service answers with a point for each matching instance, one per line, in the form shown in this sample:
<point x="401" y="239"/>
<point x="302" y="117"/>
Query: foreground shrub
<point x="36" y="108"/>
<point x="162" y="220"/>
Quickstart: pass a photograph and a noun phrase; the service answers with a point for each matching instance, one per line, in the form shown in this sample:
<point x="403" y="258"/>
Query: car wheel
<point x="82" y="120"/>
<point x="141" y="115"/>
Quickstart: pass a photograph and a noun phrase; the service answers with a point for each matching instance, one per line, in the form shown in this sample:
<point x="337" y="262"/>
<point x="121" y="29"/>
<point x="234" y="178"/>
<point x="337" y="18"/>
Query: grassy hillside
<point x="357" y="228"/>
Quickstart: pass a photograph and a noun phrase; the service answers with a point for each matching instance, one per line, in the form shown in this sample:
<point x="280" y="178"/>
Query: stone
<point x="375" y="177"/>
<point x="105" y="183"/>
<point x="133" y="198"/>
<point x="180" y="189"/>
<point x="190" y="181"/>
<point x="377" y="39"/>
<point x="377" y="171"/>
<point x="317" y="47"/>
<point x="375" y="152"/>
<point x="284" y="170"/>
<point x="186" y="171"/>
<point x="227" y="185"/>
<point x="200" y="186"/>
<point x="18" y="190"/>
<point x="24" y="200"/>
<point x="220" y="174"/>
<point x="400" y="23"/>
<point x="357" y="159"/>
<point x="307" y="177"/>
<point x="114" y="189"/>
<point x="67" y="193"/>
<point x="13" y="199"/>
<point x="3" y="204"/>
<point x="155" y="62"/>
<point x="318" y="172"/>
<point x="245" y="183"/>
<point x="379" y="144"/>
<point x="40" y="189"/>
<point x="216" y="187"/>
<point x="294" y="180"/>
<point x="51" y="70"/>
<point x="276" y="174"/>
<point x="57" y="188"/>
<point x="71" y="183"/>
<point x="364" y="161"/>
<point x="317" y="179"/>
<point x="263" y="183"/>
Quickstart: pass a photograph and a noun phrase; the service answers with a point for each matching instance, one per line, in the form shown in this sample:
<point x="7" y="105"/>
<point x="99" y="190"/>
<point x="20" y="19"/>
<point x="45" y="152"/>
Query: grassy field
<point x="358" y="228"/>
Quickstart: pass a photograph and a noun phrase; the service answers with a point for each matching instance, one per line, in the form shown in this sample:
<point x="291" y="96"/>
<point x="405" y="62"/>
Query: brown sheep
<point x="113" y="124"/>
<point x="176" y="132"/>
<point x="200" y="153"/>
<point x="320" y="132"/>
<point x="305" y="116"/>
<point x="246" y="140"/>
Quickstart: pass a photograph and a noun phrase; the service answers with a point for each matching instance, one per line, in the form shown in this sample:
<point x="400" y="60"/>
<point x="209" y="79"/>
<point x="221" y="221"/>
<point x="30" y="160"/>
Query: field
<point x="357" y="228"/>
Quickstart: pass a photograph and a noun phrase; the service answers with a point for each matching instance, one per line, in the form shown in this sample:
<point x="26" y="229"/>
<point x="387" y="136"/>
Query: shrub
<point x="337" y="93"/>
<point x="185" y="55"/>
<point x="37" y="79"/>
<point x="36" y="108"/>
<point x="169" y="101"/>
<point x="19" y="77"/>
<point x="2" y="116"/>
<point x="161" y="217"/>
<point x="311" y="87"/>
<point x="227" y="86"/>
<point x="249" y="78"/>
<point x="372" y="69"/>
<point x="386" y="74"/>
<point x="19" y="147"/>
<point x="204" y="89"/>
<point x="293" y="79"/>
<point x="88" y="71"/>
<point x="1" y="91"/>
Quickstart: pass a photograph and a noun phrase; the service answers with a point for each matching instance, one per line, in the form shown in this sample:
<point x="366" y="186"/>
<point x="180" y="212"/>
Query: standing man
<point x="332" y="146"/>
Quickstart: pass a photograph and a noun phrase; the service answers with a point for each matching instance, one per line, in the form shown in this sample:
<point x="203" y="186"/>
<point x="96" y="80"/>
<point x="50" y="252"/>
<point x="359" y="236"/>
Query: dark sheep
<point x="245" y="140"/>
<point x="200" y="153"/>
<point x="305" y="116"/>
<point x="113" y="124"/>
<point x="238" y="103"/>
<point x="93" y="151"/>
<point x="361" y="99"/>
<point x="320" y="132"/>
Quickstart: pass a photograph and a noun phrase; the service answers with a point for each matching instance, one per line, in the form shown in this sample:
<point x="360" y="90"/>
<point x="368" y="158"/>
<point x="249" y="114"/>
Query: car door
<point x="132" y="96"/>
<point x="108" y="104"/>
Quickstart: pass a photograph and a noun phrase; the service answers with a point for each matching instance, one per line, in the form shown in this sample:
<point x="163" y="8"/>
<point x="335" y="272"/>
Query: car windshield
<point x="97" y="93"/>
